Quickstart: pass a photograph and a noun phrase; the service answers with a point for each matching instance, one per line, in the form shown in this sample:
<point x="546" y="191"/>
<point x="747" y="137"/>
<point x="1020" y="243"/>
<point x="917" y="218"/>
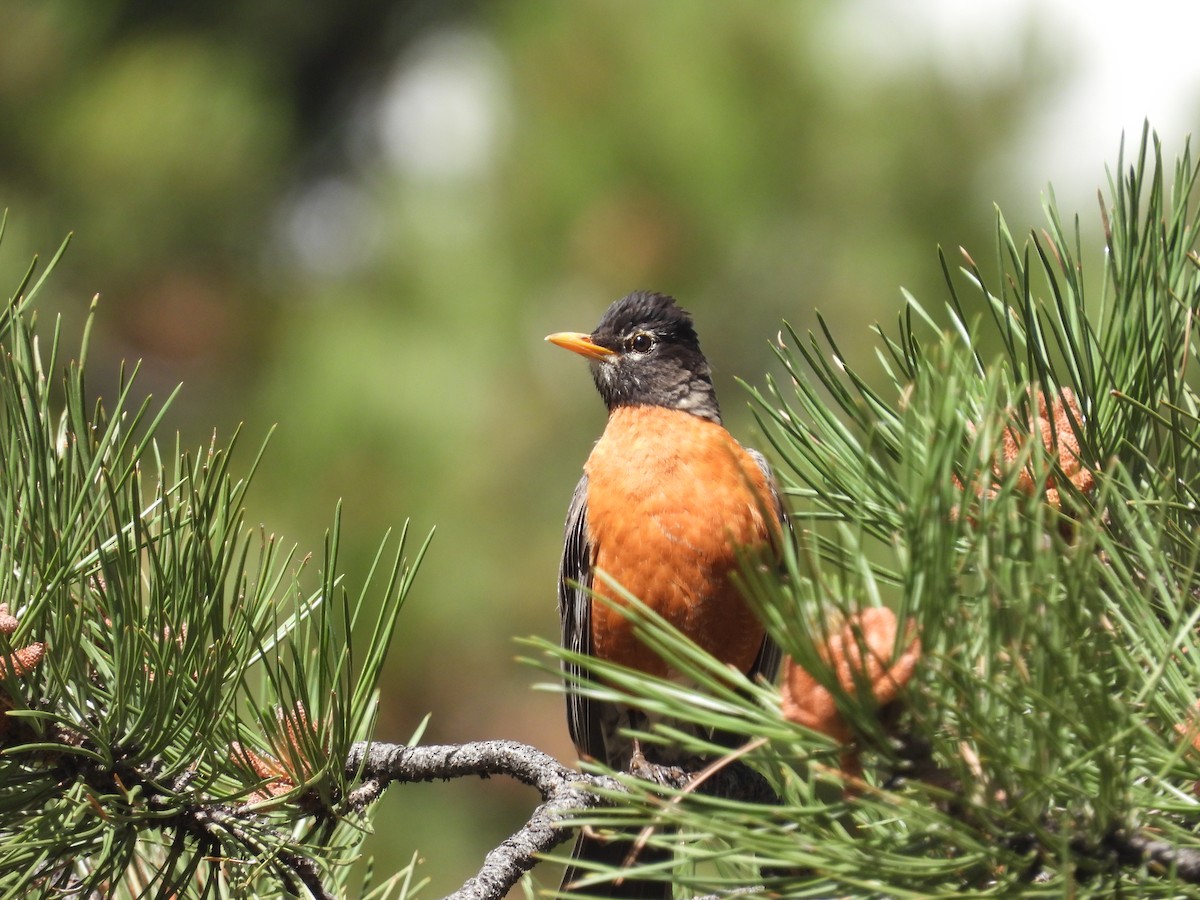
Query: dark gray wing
<point x="766" y="663"/>
<point x="575" y="619"/>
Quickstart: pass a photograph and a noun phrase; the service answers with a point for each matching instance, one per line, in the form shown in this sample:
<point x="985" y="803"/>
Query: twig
<point x="1138" y="848"/>
<point x="563" y="792"/>
<point x="385" y="763"/>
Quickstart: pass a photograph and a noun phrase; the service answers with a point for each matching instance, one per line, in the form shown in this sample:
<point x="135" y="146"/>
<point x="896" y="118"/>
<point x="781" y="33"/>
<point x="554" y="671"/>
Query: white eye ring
<point x="642" y="342"/>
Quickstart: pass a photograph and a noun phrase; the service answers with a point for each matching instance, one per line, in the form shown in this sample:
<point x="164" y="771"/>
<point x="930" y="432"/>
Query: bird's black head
<point x="645" y="352"/>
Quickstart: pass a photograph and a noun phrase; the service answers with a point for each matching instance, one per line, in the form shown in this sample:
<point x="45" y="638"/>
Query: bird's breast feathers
<point x="672" y="499"/>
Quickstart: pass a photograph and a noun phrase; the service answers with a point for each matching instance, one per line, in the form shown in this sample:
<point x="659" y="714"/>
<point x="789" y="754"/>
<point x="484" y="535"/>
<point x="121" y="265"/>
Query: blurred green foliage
<point x="359" y="220"/>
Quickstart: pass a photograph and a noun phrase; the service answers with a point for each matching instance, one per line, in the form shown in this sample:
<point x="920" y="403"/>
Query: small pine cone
<point x="1052" y="424"/>
<point x="809" y="703"/>
<point x="24" y="660"/>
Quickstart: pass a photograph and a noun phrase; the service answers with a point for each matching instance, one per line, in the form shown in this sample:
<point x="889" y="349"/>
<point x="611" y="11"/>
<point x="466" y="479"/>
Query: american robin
<point x="667" y="502"/>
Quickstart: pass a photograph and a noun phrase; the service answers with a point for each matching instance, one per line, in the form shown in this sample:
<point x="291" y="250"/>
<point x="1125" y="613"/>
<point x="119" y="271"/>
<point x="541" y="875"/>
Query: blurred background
<point x="357" y="220"/>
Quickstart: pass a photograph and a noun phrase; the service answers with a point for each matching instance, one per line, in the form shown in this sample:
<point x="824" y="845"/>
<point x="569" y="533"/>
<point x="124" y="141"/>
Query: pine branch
<point x="1020" y="490"/>
<point x="562" y="790"/>
<point x="1136" y="849"/>
<point x="565" y="793"/>
<point x="181" y="715"/>
<point x="219" y="822"/>
<point x="166" y="675"/>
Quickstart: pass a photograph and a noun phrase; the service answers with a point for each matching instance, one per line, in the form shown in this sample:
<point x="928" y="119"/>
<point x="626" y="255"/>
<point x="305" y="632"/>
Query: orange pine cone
<point x="809" y="703"/>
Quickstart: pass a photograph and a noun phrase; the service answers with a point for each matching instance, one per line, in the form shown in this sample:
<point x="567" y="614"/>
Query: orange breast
<point x="670" y="497"/>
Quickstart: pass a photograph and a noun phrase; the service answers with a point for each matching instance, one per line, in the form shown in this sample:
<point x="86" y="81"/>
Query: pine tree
<point x="179" y="707"/>
<point x="991" y="608"/>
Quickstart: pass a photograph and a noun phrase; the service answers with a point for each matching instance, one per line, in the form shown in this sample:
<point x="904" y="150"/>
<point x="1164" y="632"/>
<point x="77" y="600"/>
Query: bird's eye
<point x="641" y="342"/>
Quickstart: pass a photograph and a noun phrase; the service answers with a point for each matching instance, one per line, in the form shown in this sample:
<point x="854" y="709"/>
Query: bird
<point x="667" y="507"/>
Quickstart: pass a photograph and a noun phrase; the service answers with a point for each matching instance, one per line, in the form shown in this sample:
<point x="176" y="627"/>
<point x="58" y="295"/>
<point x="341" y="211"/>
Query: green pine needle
<point x="1051" y="714"/>
<point x="173" y="634"/>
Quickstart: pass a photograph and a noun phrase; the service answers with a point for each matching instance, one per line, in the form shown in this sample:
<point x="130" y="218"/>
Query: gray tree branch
<point x="563" y="791"/>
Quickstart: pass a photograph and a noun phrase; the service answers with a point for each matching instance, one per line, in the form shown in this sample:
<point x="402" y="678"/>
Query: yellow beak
<point x="579" y="343"/>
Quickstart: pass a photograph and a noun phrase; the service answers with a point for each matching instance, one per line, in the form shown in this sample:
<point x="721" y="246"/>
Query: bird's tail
<point x="612" y="853"/>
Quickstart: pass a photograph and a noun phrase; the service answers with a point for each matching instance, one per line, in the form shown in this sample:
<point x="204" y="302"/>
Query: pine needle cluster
<point x="1017" y="483"/>
<point x="180" y="694"/>
<point x="990" y="617"/>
